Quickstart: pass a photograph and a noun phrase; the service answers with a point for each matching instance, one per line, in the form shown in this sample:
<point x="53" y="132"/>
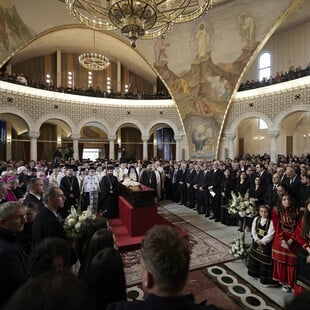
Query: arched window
<point x="264" y="66"/>
<point x="262" y="124"/>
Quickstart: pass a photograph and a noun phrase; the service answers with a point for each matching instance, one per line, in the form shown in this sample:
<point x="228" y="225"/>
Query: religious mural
<point x="13" y="32"/>
<point x="201" y="62"/>
<point x="202" y="93"/>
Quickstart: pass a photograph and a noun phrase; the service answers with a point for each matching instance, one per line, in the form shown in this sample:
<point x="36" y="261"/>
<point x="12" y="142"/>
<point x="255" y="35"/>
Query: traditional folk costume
<point x="302" y="267"/>
<point x="260" y="261"/>
<point x="285" y="222"/>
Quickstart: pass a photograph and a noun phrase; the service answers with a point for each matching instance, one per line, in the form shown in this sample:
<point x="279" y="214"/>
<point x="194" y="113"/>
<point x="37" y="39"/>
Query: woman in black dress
<point x="242" y="187"/>
<point x="228" y="184"/>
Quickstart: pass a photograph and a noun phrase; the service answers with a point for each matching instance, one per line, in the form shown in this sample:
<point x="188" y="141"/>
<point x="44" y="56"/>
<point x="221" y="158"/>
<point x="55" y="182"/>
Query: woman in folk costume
<point x="260" y="262"/>
<point x="303" y="260"/>
<point x="285" y="219"/>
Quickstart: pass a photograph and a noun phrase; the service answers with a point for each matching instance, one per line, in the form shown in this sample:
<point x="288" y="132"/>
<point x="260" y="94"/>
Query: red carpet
<point x="126" y="242"/>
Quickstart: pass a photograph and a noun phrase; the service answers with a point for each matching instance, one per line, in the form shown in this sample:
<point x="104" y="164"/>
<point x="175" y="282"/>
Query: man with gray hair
<point x="46" y="223"/>
<point x="12" y="258"/>
<point x="165" y="258"/>
<point x="3" y="192"/>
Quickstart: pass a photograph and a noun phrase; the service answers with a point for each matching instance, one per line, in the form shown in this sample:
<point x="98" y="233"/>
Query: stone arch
<point x="99" y="123"/>
<point x="163" y="121"/>
<point x="21" y="114"/>
<point x="239" y="119"/>
<point x="281" y="116"/>
<point x="129" y="121"/>
<point x="57" y="116"/>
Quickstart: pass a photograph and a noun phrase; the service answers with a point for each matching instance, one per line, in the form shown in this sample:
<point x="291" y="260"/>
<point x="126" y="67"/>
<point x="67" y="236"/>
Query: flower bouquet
<point x="239" y="248"/>
<point x="241" y="206"/>
<point x="74" y="220"/>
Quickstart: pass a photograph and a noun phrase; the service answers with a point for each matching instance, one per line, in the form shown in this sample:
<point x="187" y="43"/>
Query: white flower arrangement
<point x="74" y="220"/>
<point x="239" y="248"/>
<point x="241" y="206"/>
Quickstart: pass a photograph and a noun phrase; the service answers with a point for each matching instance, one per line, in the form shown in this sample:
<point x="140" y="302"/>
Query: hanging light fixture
<point x="94" y="61"/>
<point x="143" y="19"/>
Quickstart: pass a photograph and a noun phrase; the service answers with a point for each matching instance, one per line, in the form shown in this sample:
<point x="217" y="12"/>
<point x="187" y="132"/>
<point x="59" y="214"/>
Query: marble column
<point x="75" y="140"/>
<point x="58" y="68"/>
<point x="112" y="147"/>
<point x="177" y="147"/>
<point x="119" y="77"/>
<point x="230" y="136"/>
<point x="273" y="135"/>
<point x="145" y="152"/>
<point x="231" y="145"/>
<point x="155" y="145"/>
<point x="34" y="135"/>
<point x="8" y="141"/>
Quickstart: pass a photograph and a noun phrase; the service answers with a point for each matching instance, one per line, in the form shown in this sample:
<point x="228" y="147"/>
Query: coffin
<point x="138" y="196"/>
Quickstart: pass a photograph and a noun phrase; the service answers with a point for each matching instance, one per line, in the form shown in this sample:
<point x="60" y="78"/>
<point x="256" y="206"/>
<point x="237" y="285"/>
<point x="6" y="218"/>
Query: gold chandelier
<point x="93" y="61"/>
<point x="145" y="19"/>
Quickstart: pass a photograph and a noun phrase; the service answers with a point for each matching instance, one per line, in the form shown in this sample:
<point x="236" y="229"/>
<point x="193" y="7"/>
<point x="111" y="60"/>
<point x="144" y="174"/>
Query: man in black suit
<point x="190" y="191"/>
<point x="12" y="258"/>
<point x="46" y="223"/>
<point x="280" y="172"/>
<point x="36" y="189"/>
<point x="204" y="189"/>
<point x="265" y="176"/>
<point x="165" y="258"/>
<point x="294" y="182"/>
<point x="271" y="195"/>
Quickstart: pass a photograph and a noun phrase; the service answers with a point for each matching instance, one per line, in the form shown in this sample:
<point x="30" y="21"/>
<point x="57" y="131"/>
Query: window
<point x="91" y="154"/>
<point x="108" y="84"/>
<point x="264" y="66"/>
<point x="90" y="79"/>
<point x="262" y="124"/>
<point x="70" y="79"/>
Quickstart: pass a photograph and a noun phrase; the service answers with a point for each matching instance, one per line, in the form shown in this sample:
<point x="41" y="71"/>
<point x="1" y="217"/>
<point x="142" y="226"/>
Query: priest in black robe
<point x="148" y="176"/>
<point x="109" y="190"/>
<point x="71" y="188"/>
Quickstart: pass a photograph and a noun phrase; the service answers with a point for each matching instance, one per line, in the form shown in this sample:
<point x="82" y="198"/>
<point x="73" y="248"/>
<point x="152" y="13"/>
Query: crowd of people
<point x="36" y="197"/>
<point x="292" y="74"/>
<point x="19" y="78"/>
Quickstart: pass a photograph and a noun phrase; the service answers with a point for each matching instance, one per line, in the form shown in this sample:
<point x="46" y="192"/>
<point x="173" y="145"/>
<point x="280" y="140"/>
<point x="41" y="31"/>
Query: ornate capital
<point x="273" y="133"/>
<point x="178" y="138"/>
<point x="75" y="136"/>
<point x="144" y="138"/>
<point x="229" y="135"/>
<point x="112" y="137"/>
<point x="34" y="134"/>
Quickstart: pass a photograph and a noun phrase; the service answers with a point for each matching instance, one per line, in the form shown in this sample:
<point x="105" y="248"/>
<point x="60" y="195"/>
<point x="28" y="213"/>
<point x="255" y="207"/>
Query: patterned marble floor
<point x="226" y="234"/>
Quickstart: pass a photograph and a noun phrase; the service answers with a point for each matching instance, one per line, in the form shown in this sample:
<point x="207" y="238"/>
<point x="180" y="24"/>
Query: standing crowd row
<point x="37" y="197"/>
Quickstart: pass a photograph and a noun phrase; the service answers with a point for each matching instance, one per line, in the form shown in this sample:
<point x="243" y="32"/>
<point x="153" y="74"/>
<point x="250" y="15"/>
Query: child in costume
<point x="260" y="262"/>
